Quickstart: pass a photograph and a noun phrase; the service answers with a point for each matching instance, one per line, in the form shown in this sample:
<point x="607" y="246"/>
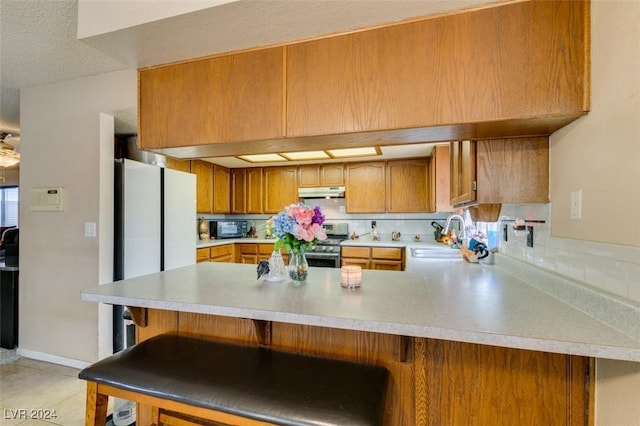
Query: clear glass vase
<point x="298" y="267"/>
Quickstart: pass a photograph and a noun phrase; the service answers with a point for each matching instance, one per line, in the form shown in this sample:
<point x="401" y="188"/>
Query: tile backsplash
<point x="611" y="268"/>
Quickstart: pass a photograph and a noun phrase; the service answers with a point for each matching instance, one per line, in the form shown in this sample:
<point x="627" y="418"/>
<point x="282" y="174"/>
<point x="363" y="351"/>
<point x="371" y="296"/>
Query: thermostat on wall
<point x="47" y="199"/>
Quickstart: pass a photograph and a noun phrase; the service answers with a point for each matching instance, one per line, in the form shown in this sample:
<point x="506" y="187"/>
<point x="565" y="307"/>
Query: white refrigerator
<point x="155" y="212"/>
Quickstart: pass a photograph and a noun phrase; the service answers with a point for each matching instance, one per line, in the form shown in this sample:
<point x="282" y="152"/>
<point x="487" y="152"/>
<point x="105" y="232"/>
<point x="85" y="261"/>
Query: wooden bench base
<point x="98" y="398"/>
<point x="235" y="385"/>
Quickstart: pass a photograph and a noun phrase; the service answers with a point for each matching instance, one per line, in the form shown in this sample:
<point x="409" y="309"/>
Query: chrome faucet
<point x="448" y="223"/>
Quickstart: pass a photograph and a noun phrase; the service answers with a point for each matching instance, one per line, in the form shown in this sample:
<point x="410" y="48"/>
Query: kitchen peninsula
<point x="461" y="341"/>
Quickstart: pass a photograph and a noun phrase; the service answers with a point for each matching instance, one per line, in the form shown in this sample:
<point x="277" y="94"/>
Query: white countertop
<point x="450" y="300"/>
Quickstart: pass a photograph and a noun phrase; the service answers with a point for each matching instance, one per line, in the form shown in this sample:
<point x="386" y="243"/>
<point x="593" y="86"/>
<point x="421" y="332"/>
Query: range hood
<point x="321" y="192"/>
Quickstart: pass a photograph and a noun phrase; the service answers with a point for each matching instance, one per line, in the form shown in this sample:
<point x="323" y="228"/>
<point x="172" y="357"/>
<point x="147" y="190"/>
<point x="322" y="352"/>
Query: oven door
<point x="323" y="260"/>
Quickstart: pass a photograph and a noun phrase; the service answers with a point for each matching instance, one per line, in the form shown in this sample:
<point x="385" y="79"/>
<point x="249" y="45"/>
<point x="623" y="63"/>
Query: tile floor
<point x="27" y="385"/>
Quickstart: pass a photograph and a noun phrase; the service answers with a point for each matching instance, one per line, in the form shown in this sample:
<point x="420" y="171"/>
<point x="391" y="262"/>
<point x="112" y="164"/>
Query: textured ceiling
<point x="38" y="43"/>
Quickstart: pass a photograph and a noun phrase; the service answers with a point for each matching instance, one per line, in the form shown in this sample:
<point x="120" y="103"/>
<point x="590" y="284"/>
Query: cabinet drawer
<point x="386" y="265"/>
<point x="265" y="249"/>
<point x="219" y="251"/>
<point x="202" y="255"/>
<point x="248" y="248"/>
<point x="357" y="261"/>
<point x="391" y="253"/>
<point x="362" y="252"/>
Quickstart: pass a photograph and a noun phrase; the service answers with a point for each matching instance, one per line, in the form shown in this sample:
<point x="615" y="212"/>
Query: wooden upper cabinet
<point x="365" y="187"/>
<point x="204" y="185"/>
<point x="495" y="171"/>
<point x="229" y="98"/>
<point x="332" y="175"/>
<point x="524" y="60"/>
<point x="309" y="176"/>
<point x="238" y="191"/>
<point x="513" y="170"/>
<point x="440" y="173"/>
<point x="254" y="190"/>
<point x="463" y="172"/>
<point x="179" y="165"/>
<point x="408" y="186"/>
<point x="313" y="175"/>
<point x="212" y="187"/>
<point x="280" y="188"/>
<point x="221" y="189"/>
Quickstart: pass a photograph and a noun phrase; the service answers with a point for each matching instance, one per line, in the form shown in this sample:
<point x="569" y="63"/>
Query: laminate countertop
<point x="507" y="304"/>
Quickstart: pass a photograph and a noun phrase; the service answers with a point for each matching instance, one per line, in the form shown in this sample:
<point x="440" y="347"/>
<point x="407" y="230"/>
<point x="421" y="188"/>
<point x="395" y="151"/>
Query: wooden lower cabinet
<point x="224" y="253"/>
<point x="202" y="254"/>
<point x="380" y="258"/>
<point x="431" y="382"/>
<point x="247" y="253"/>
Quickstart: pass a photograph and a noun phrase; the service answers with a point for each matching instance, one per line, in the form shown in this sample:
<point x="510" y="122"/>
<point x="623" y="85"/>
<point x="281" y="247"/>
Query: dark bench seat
<point x="256" y="383"/>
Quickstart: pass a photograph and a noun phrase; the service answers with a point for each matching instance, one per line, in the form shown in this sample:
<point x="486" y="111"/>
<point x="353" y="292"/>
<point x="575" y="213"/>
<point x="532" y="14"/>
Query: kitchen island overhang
<point x="452" y="301"/>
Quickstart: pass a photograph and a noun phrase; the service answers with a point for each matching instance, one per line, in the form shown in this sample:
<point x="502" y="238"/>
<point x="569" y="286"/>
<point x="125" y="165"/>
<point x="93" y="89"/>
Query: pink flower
<point x="302" y="233"/>
<point x="301" y="214"/>
<point x="318" y="231"/>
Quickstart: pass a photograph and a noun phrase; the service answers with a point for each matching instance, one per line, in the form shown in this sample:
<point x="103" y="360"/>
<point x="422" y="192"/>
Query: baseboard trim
<point x="54" y="359"/>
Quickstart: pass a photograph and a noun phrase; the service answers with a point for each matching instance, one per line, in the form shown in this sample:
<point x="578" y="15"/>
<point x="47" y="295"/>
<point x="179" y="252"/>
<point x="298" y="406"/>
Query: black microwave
<point x="228" y="229"/>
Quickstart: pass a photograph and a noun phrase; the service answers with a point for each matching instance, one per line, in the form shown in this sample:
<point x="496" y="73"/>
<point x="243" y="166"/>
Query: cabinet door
<point x="408" y="187"/>
<point x="440" y="172"/>
<point x="463" y="172"/>
<point x="365" y="188"/>
<point x="332" y="175"/>
<point x="448" y="69"/>
<point x="247" y="253"/>
<point x="227" y="98"/>
<point x="221" y="189"/>
<point x="309" y="176"/>
<point x="204" y="185"/>
<point x="280" y="188"/>
<point x="514" y="170"/>
<point x="254" y="190"/>
<point x="238" y="191"/>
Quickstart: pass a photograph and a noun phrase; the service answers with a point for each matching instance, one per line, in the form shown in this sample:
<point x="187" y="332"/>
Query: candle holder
<point x="351" y="276"/>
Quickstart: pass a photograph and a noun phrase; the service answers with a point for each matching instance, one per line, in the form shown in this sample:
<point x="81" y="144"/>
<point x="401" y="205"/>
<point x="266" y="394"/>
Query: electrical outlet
<point x="576" y="205"/>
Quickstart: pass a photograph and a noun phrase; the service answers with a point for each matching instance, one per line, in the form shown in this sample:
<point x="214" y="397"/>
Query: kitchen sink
<point x="441" y="253"/>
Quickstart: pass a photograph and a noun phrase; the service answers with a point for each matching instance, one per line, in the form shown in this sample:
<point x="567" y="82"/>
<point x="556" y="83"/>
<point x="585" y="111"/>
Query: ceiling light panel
<point x="262" y="158"/>
<point x="354" y="152"/>
<point x="306" y="155"/>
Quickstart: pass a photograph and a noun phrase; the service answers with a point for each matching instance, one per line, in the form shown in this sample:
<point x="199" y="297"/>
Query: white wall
<point x="67" y="142"/>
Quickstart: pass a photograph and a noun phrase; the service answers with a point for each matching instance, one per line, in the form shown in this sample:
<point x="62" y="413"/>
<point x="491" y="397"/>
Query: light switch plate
<point x="90" y="229"/>
<point x="576" y="205"/>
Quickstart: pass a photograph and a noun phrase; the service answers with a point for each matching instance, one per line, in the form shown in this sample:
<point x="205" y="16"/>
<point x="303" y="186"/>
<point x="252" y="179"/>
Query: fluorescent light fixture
<point x="262" y="158"/>
<point x="305" y="155"/>
<point x="353" y="152"/>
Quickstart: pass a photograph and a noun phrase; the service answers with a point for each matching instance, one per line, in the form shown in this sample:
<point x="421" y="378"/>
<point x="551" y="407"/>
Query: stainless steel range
<point x="326" y="253"/>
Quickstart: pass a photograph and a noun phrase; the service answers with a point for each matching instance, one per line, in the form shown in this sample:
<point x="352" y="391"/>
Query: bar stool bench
<point x="236" y="384"/>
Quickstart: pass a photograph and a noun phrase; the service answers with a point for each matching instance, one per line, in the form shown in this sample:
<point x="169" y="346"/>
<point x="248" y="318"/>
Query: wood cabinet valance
<point x="510" y="69"/>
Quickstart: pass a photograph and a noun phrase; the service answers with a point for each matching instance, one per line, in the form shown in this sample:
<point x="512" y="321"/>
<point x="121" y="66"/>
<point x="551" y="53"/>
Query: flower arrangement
<point x="297" y="228"/>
